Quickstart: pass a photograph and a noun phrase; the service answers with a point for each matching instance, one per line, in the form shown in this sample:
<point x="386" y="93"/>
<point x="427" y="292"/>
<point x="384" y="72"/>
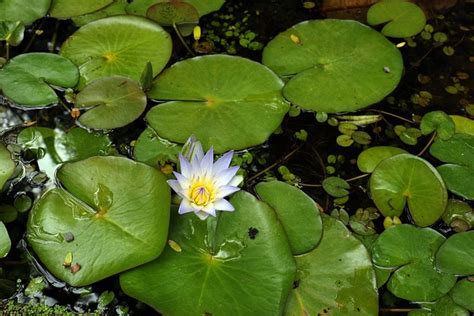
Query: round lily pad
<point x="110" y="215"/>
<point x="411" y="250"/>
<point x="456" y="255"/>
<point x="407" y="179"/>
<point x="64" y="9"/>
<point x="226" y="102"/>
<point x="336" y="278"/>
<point x="5" y="242"/>
<point x="298" y="214"/>
<point x="459" y="149"/>
<point x="139" y="7"/>
<point x="113" y="101"/>
<point x="118" y="45"/>
<point x="26" y="79"/>
<point x="154" y="150"/>
<point x="463" y="293"/>
<point x="116" y="8"/>
<point x="25" y="11"/>
<point x="334" y="65"/>
<point x="174" y="12"/>
<point x="243" y="263"/>
<point x="371" y="157"/>
<point x="437" y="121"/>
<point x="458" y="179"/>
<point x="403" y="18"/>
<point x="7" y="166"/>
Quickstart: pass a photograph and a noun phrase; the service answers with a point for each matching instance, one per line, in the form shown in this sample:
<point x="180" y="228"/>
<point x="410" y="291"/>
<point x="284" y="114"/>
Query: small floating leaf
<point x="5" y="242"/>
<point x="371" y="157"/>
<point x="437" y="121"/>
<point x="336" y="186"/>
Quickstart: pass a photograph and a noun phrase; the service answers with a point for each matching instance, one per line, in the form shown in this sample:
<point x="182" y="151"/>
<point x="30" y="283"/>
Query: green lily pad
<point x="226" y="102"/>
<point x="437" y="121"/>
<point x="111" y="214"/>
<point x="26" y="79"/>
<point x="5" y="242"/>
<point x="116" y="8"/>
<point x="456" y="255"/>
<point x="463" y="294"/>
<point x="12" y="32"/>
<point x="371" y="157"/>
<point x="118" y="45"/>
<point x="174" y="12"/>
<point x="154" y="150"/>
<point x="411" y="250"/>
<point x="25" y="11"/>
<point x="54" y="147"/>
<point x="407" y="179"/>
<point x="334" y="65"/>
<point x="113" y="101"/>
<point x="64" y="9"/>
<point x="458" y="179"/>
<point x="298" y="214"/>
<point x="463" y="124"/>
<point x="139" y="7"/>
<point x="244" y="263"/>
<point x="458" y="149"/>
<point x="336" y="186"/>
<point x="336" y="278"/>
<point x="7" y="166"/>
<point x="459" y="215"/>
<point x="445" y="306"/>
<point x="403" y="18"/>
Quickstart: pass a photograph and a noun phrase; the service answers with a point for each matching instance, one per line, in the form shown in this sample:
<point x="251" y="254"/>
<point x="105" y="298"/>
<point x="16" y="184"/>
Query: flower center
<point x="201" y="195"/>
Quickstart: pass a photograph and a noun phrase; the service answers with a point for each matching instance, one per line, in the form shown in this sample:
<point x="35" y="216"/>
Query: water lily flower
<point x="203" y="184"/>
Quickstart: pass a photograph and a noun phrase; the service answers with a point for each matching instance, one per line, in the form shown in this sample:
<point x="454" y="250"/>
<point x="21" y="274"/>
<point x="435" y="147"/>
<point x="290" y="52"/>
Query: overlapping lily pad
<point x="64" y="9"/>
<point x="112" y="101"/>
<point x="25" y="11"/>
<point x="456" y="255"/>
<point x="403" y="18"/>
<point x="226" y="102"/>
<point x="297" y="212"/>
<point x="463" y="124"/>
<point x="407" y="179"/>
<point x="26" y="79"/>
<point x="116" y="8"/>
<point x="463" y="293"/>
<point x="336" y="278"/>
<point x="334" y="65"/>
<point x="118" y="45"/>
<point x="437" y="121"/>
<point x="371" y="157"/>
<point x="139" y="7"/>
<point x="445" y="306"/>
<point x="411" y="250"/>
<point x="7" y="166"/>
<point x="243" y="264"/>
<point x="12" y="32"/>
<point x="5" y="242"/>
<point x="154" y="150"/>
<point x="111" y="215"/>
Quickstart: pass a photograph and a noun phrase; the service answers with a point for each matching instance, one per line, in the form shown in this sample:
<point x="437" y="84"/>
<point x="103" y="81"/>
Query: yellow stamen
<point x="201" y="193"/>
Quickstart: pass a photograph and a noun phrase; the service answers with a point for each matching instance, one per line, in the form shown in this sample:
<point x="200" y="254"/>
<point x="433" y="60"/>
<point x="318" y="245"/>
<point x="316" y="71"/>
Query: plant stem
<point x="182" y="39"/>
<point x="348" y="180"/>
<point x="427" y="145"/>
<point x="393" y="115"/>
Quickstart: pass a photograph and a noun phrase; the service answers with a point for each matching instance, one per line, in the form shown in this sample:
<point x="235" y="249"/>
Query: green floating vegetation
<point x="443" y="306"/>
<point x="140" y="7"/>
<point x="226" y="102"/>
<point x="241" y="261"/>
<point x="154" y="150"/>
<point x="81" y="229"/>
<point x="368" y="159"/>
<point x="26" y="11"/>
<point x="26" y="79"/>
<point x="463" y="294"/>
<point x="117" y="46"/>
<point x="7" y="165"/>
<point x="64" y="9"/>
<point x="334" y="65"/>
<point x="5" y="242"/>
<point x="457" y="254"/>
<point x="116" y="8"/>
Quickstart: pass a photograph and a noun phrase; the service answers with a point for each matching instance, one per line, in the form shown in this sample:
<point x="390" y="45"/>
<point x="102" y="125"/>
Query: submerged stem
<point x="182" y="39"/>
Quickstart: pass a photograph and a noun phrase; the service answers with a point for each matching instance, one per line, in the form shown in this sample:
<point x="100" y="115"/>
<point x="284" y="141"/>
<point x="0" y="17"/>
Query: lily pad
<point x="64" y="9"/>
<point x="118" y="45"/>
<point x="463" y="124"/>
<point x="336" y="278"/>
<point x="334" y="65"/>
<point x="411" y="250"/>
<point x="25" y="11"/>
<point x="139" y="7"/>
<point x="113" y="101"/>
<point x="336" y="186"/>
<point x="456" y="255"/>
<point x="173" y="12"/>
<point x="5" y="242"/>
<point x="244" y="263"/>
<point x="26" y="79"/>
<point x="403" y="18"/>
<point x="371" y="157"/>
<point x="154" y="150"/>
<point x="437" y="121"/>
<point x="407" y="179"/>
<point x="12" y="32"/>
<point x="458" y="179"/>
<point x="54" y="147"/>
<point x="7" y="166"/>
<point x="298" y="214"/>
<point x="226" y="102"/>
<point x="445" y="306"/>
<point x="111" y="215"/>
<point x="463" y="294"/>
<point x="116" y="8"/>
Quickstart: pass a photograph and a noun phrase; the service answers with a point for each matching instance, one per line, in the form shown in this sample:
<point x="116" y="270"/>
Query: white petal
<point x="185" y="166"/>
<point x="236" y="180"/>
<point x="223" y="162"/>
<point x="210" y="209"/>
<point x="197" y="151"/>
<point x="202" y="215"/>
<point x="223" y="205"/>
<point x="207" y="161"/>
<point x="225" y="191"/>
<point x="183" y="181"/>
<point x="224" y="177"/>
<point x="185" y="207"/>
